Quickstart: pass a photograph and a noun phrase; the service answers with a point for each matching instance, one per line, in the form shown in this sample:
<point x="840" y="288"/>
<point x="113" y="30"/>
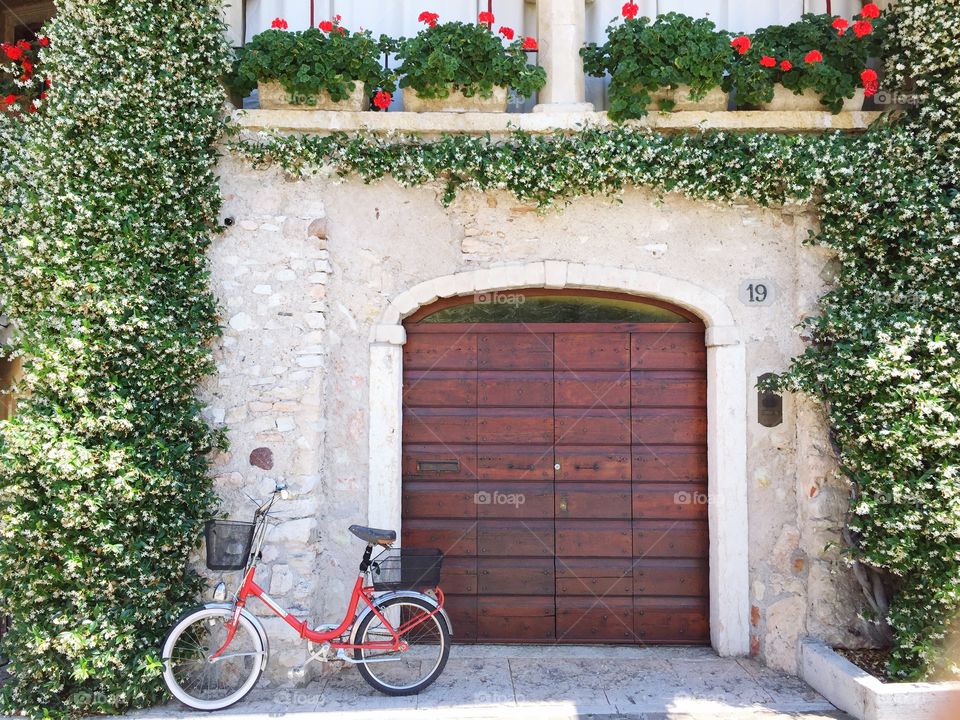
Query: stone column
<point x="561" y="28"/>
<point x="727" y="490"/>
<point x="386" y="416"/>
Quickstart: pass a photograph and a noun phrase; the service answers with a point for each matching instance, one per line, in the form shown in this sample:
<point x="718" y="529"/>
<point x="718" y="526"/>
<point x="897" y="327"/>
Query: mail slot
<point x="438" y="466"/>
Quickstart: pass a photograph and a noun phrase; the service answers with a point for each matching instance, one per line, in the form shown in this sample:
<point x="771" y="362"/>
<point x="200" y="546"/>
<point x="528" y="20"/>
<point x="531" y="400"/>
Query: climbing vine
<point x="885" y="352"/>
<point x="107" y="202"/>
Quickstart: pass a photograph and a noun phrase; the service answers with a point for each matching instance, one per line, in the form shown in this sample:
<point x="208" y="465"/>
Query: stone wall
<point x="308" y="266"/>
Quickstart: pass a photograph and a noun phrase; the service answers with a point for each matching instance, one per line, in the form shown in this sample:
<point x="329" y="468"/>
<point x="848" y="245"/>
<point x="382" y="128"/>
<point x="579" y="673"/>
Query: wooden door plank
<point x="432" y="499"/>
<point x="670" y="539"/>
<point x="672" y="577"/>
<point x="676" y="501"/>
<point x="600" y="501"/>
<point x="440" y="351"/>
<point x="669" y="463"/>
<point x="597" y="426"/>
<point x="440" y="388"/>
<point x="592" y="463"/>
<point x="587" y="538"/>
<point x="448" y="426"/>
<point x="668" y="351"/>
<point x="446" y="462"/>
<point x="521" y="350"/>
<point x="514" y="501"/>
<point x="669" y="426"/>
<point x="532" y="538"/>
<point x="514" y="388"/>
<point x="661" y="388"/>
<point x="515" y="576"/>
<point x="589" y="619"/>
<point x="684" y="621"/>
<point x="515" y="462"/>
<point x="591" y="388"/>
<point x="515" y="425"/>
<point x="592" y="351"/>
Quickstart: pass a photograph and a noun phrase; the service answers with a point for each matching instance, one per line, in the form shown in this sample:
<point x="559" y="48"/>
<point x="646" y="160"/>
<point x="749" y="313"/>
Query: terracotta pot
<point x="273" y="96"/>
<point x="784" y="99"/>
<point x="714" y="101"/>
<point x="457" y="102"/>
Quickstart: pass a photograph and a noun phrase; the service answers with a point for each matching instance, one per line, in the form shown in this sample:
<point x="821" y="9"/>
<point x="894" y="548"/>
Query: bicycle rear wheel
<point x="410" y="671"/>
<point x="193" y="678"/>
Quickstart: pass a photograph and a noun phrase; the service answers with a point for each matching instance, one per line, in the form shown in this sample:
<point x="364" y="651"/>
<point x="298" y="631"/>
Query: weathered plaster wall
<point x="308" y="267"/>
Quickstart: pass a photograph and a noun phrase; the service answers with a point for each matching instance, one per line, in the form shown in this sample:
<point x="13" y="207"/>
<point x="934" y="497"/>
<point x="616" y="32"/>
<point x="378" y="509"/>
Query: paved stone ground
<point x="526" y="682"/>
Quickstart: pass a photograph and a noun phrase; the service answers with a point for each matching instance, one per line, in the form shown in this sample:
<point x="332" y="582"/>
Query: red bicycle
<point x="399" y="640"/>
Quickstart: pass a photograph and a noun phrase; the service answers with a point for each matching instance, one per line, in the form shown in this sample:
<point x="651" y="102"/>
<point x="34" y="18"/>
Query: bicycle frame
<point x="361" y="592"/>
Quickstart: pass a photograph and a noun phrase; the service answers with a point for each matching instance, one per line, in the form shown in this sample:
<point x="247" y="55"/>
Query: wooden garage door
<point x="561" y="466"/>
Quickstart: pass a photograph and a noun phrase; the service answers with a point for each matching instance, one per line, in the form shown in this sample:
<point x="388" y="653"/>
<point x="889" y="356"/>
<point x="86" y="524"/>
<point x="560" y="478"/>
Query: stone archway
<point x="726" y="411"/>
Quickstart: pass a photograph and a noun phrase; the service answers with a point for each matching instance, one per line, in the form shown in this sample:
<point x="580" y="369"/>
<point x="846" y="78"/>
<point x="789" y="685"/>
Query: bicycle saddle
<point x="373" y="536"/>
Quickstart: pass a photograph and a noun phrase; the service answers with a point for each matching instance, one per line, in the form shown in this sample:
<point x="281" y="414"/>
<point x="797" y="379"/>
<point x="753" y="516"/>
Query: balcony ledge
<point x="498" y="124"/>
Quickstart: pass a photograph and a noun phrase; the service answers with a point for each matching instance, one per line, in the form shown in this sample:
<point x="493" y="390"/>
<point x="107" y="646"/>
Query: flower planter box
<point x="784" y="99"/>
<point x="714" y="101"/>
<point x="273" y="96"/>
<point x="855" y="691"/>
<point x="456" y="102"/>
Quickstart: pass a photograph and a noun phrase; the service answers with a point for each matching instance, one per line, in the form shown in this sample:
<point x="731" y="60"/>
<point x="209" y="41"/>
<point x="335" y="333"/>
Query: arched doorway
<point x="555" y="447"/>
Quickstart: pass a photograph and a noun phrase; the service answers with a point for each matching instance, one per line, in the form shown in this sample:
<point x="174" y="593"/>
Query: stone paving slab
<point x="488" y="682"/>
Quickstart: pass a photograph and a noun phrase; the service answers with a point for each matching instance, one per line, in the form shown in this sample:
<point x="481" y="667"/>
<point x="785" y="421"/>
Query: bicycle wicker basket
<point x="406" y="569"/>
<point x="228" y="544"/>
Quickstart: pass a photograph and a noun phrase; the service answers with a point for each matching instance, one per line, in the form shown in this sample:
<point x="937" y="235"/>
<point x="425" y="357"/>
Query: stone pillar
<point x="561" y="28"/>
<point x="727" y="490"/>
<point x="386" y="415"/>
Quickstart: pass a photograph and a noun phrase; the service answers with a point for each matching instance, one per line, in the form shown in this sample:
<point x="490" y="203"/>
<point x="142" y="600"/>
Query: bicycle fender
<point x="257" y="625"/>
<point x="396" y="594"/>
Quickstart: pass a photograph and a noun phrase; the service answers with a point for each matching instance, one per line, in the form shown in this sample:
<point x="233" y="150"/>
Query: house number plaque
<point x="757" y="292"/>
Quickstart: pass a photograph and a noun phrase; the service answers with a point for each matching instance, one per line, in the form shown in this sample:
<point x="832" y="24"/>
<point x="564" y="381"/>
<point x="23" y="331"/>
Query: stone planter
<point x="456" y="102"/>
<point x="273" y="96"/>
<point x="859" y="693"/>
<point x="786" y="100"/>
<point x="714" y="101"/>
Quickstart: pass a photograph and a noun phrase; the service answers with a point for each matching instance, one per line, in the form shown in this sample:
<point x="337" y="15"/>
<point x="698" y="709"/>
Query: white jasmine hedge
<point x="108" y="203"/>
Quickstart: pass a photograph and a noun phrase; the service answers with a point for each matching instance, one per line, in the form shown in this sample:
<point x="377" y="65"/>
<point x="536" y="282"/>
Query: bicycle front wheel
<point x="204" y="684"/>
<point x="410" y="671"/>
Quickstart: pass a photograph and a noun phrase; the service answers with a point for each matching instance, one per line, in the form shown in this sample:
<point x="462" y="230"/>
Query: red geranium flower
<point x="44" y="41"/>
<point x="326" y="26"/>
<point x="13" y="52"/>
<point x="43" y="96"/>
<point x="768" y="61"/>
<point x="786" y="65"/>
<point x="32" y="108"/>
<point x="507" y="32"/>
<point x="529" y="43"/>
<point x="27" y="68"/>
<point x="10" y="99"/>
<point x="46" y="81"/>
<point x="840" y="25"/>
<point x="23" y="44"/>
<point x="741" y="44"/>
<point x="813" y="57"/>
<point x="870" y="10"/>
<point x="428" y="18"/>
<point x="341" y="30"/>
<point x="630" y="10"/>
<point x="279" y="24"/>
<point x="382" y="100"/>
<point x="486" y="17"/>
<point x="870" y="85"/>
<point x="861" y="28"/>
